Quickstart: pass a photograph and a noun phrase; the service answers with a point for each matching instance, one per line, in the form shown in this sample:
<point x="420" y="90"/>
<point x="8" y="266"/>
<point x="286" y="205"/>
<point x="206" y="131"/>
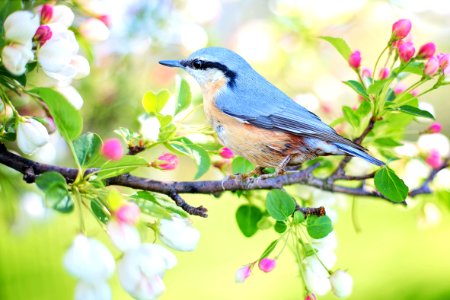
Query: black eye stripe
<point x="204" y="64"/>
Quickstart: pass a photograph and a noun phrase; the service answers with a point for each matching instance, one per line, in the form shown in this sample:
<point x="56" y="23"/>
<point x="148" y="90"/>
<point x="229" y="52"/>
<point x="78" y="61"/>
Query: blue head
<point x="208" y="65"/>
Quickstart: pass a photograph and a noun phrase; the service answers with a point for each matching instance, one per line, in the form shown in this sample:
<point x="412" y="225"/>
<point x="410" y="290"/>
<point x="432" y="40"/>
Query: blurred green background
<point x="399" y="253"/>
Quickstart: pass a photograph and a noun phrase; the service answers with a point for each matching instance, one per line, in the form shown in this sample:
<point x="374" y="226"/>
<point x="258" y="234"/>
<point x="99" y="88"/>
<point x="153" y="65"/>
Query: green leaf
<point x="87" y="148"/>
<point x="340" y="45"/>
<point x="47" y="179"/>
<point x="358" y="88"/>
<point x="127" y="164"/>
<point x="387" y="142"/>
<point x="98" y="211"/>
<point x="247" y="217"/>
<point x="411" y="110"/>
<point x="184" y="96"/>
<point x="67" y="118"/>
<point x="279" y="204"/>
<point x="59" y="198"/>
<point x="376" y="86"/>
<point x="240" y="165"/>
<point x="390" y="185"/>
<point x="196" y="152"/>
<point x="269" y="249"/>
<point x="364" y="109"/>
<point x="318" y="227"/>
<point x="280" y="227"/>
<point x="414" y="67"/>
<point x="350" y="116"/>
<point x="154" y="103"/>
<point x="299" y="217"/>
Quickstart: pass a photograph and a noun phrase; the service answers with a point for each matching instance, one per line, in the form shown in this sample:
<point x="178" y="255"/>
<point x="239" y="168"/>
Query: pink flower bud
<point x="43" y="34"/>
<point x="355" y="60"/>
<point x="399" y="88"/>
<point x="112" y="149"/>
<point x="406" y="51"/>
<point x="168" y="161"/>
<point x="384" y="73"/>
<point x="431" y="66"/>
<point x="401" y="29"/>
<point x="310" y="297"/>
<point x="366" y="73"/>
<point x="434" y="159"/>
<point x="226" y="153"/>
<point x="427" y="50"/>
<point x="243" y="273"/>
<point x="444" y="60"/>
<point x="436" y="127"/>
<point x="128" y="213"/>
<point x="266" y="264"/>
<point x="46" y="13"/>
<point x="105" y="19"/>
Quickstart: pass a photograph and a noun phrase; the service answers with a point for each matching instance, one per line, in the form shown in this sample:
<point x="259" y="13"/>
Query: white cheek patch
<point x="206" y="76"/>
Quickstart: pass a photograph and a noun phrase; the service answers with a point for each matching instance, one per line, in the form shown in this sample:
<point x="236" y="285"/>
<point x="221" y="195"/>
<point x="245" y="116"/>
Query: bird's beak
<point x="171" y="63"/>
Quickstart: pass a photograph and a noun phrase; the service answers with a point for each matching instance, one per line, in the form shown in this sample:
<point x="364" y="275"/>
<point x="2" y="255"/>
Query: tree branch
<point x="425" y="187"/>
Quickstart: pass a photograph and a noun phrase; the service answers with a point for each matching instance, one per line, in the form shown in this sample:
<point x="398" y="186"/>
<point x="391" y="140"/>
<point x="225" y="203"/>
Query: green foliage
<point x="411" y="110"/>
<point x="279" y="204"/>
<point x="340" y="44"/>
<point x="299" y="217"/>
<point x="126" y="164"/>
<point x="54" y="186"/>
<point x="154" y="103"/>
<point x="269" y="249"/>
<point x="196" y="152"/>
<point x="247" y="217"/>
<point x="184" y="96"/>
<point x="240" y="165"/>
<point x="358" y="88"/>
<point x="87" y="148"/>
<point x="318" y="227"/>
<point x="98" y="210"/>
<point x="280" y="227"/>
<point x="67" y="119"/>
<point x="390" y="185"/>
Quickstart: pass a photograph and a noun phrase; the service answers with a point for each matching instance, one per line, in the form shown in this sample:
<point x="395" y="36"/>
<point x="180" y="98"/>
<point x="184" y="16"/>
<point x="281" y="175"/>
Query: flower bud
<point x="123" y="235"/>
<point x="226" y="153"/>
<point x="431" y="66"/>
<point x="15" y="58"/>
<point x="106" y="19"/>
<point x="89" y="260"/>
<point x="43" y="34"/>
<point x="366" y="73"/>
<point x="341" y="284"/>
<point x="434" y="159"/>
<point x="444" y="61"/>
<point x="178" y="233"/>
<point x="384" y="73"/>
<point x="401" y="29"/>
<point x="92" y="290"/>
<point x="436" y="127"/>
<point x="406" y="51"/>
<point x="62" y="15"/>
<point x="46" y="13"/>
<point x="355" y="60"/>
<point x="128" y="213"/>
<point x="20" y="26"/>
<point x="310" y="297"/>
<point x="427" y="50"/>
<point x="267" y="265"/>
<point x="94" y="30"/>
<point x="243" y="273"/>
<point x="112" y="149"/>
<point x="399" y="88"/>
<point x="167" y="161"/>
<point x="31" y="135"/>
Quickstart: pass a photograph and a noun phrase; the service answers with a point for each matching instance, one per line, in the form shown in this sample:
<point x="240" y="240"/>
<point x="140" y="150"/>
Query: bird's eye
<point x="197" y="64"/>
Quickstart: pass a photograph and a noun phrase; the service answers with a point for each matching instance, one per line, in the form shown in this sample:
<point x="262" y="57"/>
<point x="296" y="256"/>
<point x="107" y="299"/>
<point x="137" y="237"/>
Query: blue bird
<point x="257" y="120"/>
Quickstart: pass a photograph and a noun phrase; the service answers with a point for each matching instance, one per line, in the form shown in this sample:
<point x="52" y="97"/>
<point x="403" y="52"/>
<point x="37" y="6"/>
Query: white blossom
<point x="123" y="235"/>
<point x="318" y="284"/>
<point x="20" y="26"/>
<point x="149" y="127"/>
<point x="16" y="56"/>
<point x="437" y="141"/>
<point x="341" y="284"/>
<point x="31" y="135"/>
<point x="94" y="30"/>
<point x="178" y="233"/>
<point x="62" y="15"/>
<point x="98" y="290"/>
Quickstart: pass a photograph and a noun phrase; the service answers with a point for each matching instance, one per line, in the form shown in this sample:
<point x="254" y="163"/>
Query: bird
<point x="255" y="119"/>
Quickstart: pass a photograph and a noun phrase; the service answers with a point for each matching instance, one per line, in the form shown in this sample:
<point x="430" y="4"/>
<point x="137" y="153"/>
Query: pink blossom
<point x="267" y="265"/>
<point x="366" y="73"/>
<point x="444" y="60"/>
<point x="128" y="213"/>
<point x="46" y="13"/>
<point x="226" y="153"/>
<point x="310" y="297"/>
<point x="43" y="34"/>
<point x="427" y="50"/>
<point x="401" y="29"/>
<point x="168" y="161"/>
<point x="243" y="273"/>
<point x="399" y="88"/>
<point x="431" y="66"/>
<point x="355" y="60"/>
<point x="406" y="51"/>
<point x="106" y="19"/>
<point x="112" y="149"/>
<point x="384" y="73"/>
<point x="434" y="159"/>
<point x="436" y="127"/>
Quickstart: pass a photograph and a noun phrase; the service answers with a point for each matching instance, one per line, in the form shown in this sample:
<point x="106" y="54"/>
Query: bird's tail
<point x="359" y="153"/>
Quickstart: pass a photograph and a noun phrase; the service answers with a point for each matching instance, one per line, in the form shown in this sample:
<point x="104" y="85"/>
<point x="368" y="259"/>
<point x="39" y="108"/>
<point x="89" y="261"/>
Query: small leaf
<point x="411" y="110"/>
<point x="364" y="109"/>
<point x="390" y="185"/>
<point x="358" y="88"/>
<point x="280" y="227"/>
<point x="376" y="86"/>
<point x="154" y="103"/>
<point x="196" y="152"/>
<point x="318" y="227"/>
<point x="350" y="116"/>
<point x="87" y="148"/>
<point x="340" y="45"/>
<point x="298" y="217"/>
<point x="241" y="166"/>
<point x="387" y="142"/>
<point x="269" y="249"/>
<point x="184" y="96"/>
<point x="247" y="217"/>
<point x="414" y="67"/>
<point x="98" y="211"/>
<point x="67" y="118"/>
<point x="47" y="179"/>
<point x="59" y="198"/>
<point x="127" y="164"/>
<point x="279" y="204"/>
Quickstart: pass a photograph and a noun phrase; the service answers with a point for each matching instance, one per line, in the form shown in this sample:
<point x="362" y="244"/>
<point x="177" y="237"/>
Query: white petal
<point x="81" y="65"/>
<point x="94" y="30"/>
<point x="124" y="236"/>
<point x="179" y="234"/>
<point x="21" y="26"/>
<point x="437" y="141"/>
<point x="319" y="285"/>
<point x="62" y="15"/>
<point x="31" y="135"/>
<point x="98" y="290"/>
<point x="341" y="283"/>
<point x="149" y="127"/>
<point x="16" y="56"/>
